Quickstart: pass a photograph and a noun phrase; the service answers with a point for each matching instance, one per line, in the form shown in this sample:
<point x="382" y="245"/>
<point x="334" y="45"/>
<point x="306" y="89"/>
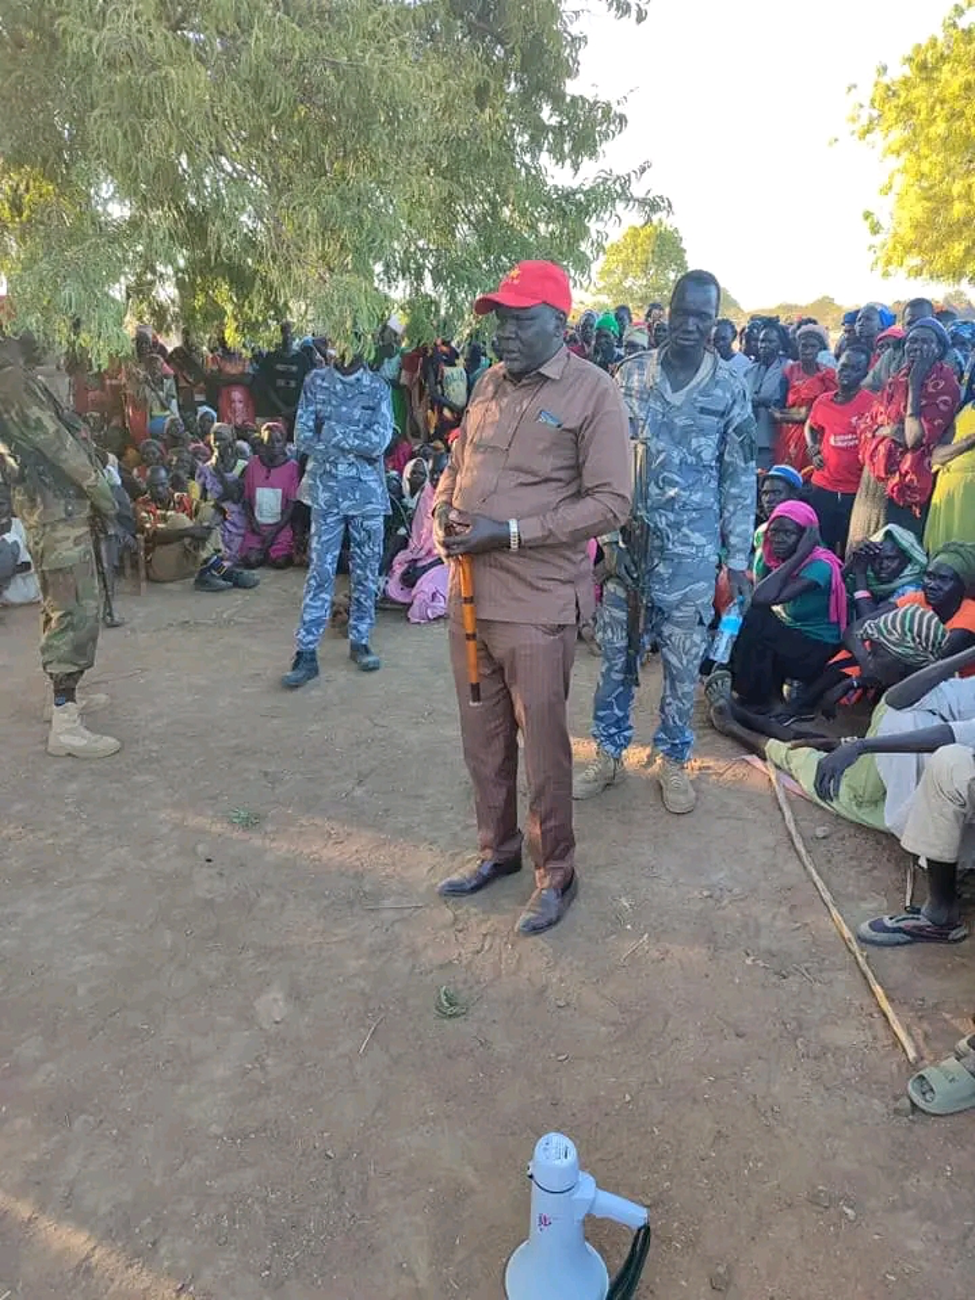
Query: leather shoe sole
<point x="481" y="875"/>
<point x="546" y="908"/>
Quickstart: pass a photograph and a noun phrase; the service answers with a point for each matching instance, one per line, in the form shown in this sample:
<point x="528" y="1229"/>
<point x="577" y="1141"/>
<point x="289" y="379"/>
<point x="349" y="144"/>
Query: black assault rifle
<point x="636" y="536"/>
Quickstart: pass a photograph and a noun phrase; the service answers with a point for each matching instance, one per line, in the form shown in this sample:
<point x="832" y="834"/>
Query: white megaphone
<point x="556" y="1263"/>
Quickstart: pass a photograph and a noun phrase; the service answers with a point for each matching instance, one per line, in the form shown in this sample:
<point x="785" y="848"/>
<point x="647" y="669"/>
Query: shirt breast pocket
<point x="706" y="435"/>
<point x="540" y="451"/>
<point x="368" y="407"/>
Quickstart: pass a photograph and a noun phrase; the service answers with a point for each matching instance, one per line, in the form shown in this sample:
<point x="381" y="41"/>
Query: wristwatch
<point x="513" y="534"/>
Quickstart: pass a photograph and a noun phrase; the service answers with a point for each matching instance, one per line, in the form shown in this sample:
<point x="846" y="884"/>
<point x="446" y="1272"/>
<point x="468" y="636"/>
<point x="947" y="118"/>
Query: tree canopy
<point x="922" y="118"/>
<point x="642" y="265"/>
<point x="223" y="162"/>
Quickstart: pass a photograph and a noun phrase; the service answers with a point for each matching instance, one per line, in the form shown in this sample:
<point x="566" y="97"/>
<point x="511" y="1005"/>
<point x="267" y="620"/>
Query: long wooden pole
<point x="471" y="631"/>
<point x="895" y="1024"/>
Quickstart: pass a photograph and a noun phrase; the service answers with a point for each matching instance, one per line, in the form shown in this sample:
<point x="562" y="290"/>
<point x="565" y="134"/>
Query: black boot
<point x="305" y="667"/>
<point x="364" y="658"/>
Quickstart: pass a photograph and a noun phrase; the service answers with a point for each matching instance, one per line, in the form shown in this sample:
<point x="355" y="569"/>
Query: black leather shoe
<point x="546" y="908"/>
<point x="480" y="875"/>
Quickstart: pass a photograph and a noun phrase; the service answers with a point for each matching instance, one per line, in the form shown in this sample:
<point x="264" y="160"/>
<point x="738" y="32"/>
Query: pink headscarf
<point x="802" y="514"/>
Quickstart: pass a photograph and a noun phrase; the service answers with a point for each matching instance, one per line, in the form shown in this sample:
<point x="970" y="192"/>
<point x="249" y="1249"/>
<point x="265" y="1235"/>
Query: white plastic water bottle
<point x="730" y="622"/>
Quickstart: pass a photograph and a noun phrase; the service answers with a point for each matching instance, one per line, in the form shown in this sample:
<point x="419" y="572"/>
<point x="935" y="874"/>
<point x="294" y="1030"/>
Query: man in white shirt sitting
<point x="18" y="585"/>
<point x="932" y="810"/>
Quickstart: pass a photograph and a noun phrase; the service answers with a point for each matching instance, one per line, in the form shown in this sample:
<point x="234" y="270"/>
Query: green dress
<point x="861" y="797"/>
<point x="951" y="516"/>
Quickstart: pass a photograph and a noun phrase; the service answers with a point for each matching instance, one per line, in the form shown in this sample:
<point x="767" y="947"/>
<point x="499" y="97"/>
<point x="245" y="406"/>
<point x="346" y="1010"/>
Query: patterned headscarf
<point x="801" y="514"/>
<point x="910" y="633"/>
<point x="911" y="574"/>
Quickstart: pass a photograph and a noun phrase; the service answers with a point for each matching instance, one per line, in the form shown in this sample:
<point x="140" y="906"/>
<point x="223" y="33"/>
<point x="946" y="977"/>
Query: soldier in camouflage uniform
<point x="344" y="424"/>
<point x="56" y="481"/>
<point x="698" y="496"/>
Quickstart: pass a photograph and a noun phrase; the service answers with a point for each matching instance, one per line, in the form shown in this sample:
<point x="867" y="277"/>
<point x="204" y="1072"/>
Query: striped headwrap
<point x="910" y="633"/>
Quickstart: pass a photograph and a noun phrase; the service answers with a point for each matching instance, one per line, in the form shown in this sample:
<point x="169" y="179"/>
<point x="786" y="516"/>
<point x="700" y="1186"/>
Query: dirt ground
<point x="221" y="1069"/>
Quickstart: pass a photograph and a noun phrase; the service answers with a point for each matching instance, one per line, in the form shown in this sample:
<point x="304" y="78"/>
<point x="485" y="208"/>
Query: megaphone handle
<point x="606" y="1205"/>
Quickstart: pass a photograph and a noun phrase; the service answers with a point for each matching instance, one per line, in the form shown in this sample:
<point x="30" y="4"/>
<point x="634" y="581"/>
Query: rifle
<point x="103" y="582"/>
<point x="636" y="536"/>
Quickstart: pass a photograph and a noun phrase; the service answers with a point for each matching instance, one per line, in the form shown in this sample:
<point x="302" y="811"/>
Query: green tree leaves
<point x="226" y="161"/>
<point x="923" y="121"/>
<point x="642" y="265"/>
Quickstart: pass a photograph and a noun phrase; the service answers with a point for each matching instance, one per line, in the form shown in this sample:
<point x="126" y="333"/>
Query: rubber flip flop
<point x="947" y="1087"/>
<point x="908" y="927"/>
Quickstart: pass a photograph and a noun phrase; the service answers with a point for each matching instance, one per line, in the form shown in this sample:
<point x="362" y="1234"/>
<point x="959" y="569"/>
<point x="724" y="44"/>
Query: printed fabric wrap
<point x="907" y="473"/>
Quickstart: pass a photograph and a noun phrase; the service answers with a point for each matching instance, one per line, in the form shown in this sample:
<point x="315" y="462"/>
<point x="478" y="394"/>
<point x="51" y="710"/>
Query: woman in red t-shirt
<point x="806" y="379"/>
<point x="832" y="436"/>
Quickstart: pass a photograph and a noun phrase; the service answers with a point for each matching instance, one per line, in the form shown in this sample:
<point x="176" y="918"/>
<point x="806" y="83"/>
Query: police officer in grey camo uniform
<point x="344" y="423"/>
<point x="699" y="498"/>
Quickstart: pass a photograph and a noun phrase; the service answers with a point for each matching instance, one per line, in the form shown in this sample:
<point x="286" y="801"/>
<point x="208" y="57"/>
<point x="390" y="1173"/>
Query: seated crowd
<point x="863" y="600"/>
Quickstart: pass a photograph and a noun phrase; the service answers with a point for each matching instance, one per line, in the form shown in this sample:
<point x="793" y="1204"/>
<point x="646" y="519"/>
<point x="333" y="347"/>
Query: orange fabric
<point x="802" y="390"/>
<point x="961" y="621"/>
<point x="843" y="660"/>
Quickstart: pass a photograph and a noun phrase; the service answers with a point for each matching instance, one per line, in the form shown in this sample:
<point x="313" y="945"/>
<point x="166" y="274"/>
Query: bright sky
<point x="735" y="105"/>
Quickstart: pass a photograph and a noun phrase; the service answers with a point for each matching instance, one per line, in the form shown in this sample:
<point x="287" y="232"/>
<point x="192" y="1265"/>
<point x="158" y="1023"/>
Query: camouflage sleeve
<point x="737" y="480"/>
<point x="634" y="382"/>
<point x="28" y="410"/>
<point x="305" y="416"/>
<point x="377" y="434"/>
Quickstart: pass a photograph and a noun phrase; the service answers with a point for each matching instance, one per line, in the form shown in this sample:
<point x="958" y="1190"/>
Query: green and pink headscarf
<point x="802" y="515"/>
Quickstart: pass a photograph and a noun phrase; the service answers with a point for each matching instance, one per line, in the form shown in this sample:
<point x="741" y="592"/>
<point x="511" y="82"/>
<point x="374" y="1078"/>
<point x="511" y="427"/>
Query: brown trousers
<point x="525" y="677"/>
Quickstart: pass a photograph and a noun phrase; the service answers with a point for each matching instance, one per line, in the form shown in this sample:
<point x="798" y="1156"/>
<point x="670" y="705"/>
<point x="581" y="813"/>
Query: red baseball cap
<point x="527" y="285"/>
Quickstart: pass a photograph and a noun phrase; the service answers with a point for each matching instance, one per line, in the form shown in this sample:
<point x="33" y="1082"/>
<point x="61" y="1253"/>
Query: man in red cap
<point x="540" y="466"/>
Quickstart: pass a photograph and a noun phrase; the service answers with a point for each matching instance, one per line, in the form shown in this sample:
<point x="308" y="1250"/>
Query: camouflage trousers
<point x="677" y="616"/>
<point x="365" y="551"/>
<point x="71" y="603"/>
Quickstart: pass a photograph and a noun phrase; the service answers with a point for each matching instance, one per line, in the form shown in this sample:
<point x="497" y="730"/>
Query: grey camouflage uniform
<point x="343" y="424"/>
<point x="700" y="499"/>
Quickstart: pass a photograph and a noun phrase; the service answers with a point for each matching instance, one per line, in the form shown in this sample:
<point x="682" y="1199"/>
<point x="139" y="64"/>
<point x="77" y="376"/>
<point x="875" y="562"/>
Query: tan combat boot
<point x="604" y="770"/>
<point x="86" y="704"/>
<point x="678" y="793"/>
<point x="68" y="736"/>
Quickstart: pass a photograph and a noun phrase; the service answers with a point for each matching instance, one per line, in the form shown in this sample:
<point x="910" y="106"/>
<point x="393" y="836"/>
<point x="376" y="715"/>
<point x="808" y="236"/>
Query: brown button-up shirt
<point x="551" y="451"/>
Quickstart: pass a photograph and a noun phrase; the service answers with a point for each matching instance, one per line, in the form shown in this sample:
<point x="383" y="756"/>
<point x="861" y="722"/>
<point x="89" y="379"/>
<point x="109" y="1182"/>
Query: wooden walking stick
<point x="471" y="631"/>
<point x="885" y="1006"/>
